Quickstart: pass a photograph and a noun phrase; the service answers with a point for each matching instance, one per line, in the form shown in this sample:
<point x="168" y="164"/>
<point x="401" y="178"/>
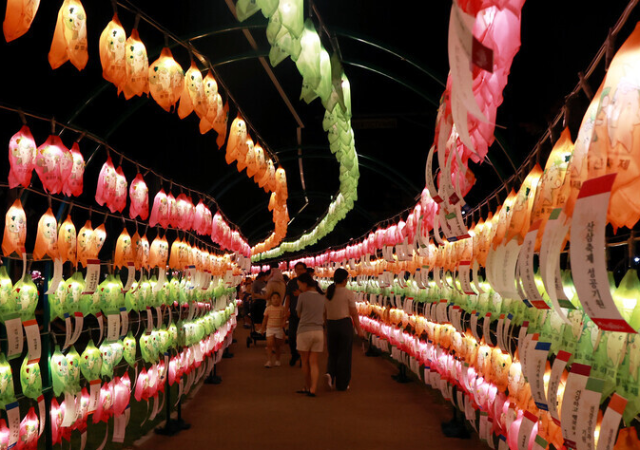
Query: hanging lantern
<point x="86" y="244"/>
<point x="212" y="102"/>
<point x="160" y="210"/>
<point x="73" y="184"/>
<point x="140" y="251"/>
<point x="237" y="137"/>
<point x="18" y="18"/>
<point x="193" y="95"/>
<point x="105" y="191"/>
<point x="53" y="164"/>
<point x="15" y="230"/>
<point x="166" y="80"/>
<point x="222" y="119"/>
<point x="124" y="250"/>
<point x="22" y="158"/>
<point x="67" y="241"/>
<point x="249" y="155"/>
<point x="139" y="198"/>
<point x="91" y="362"/>
<point x="70" y="37"/>
<point x="129" y="343"/>
<point x="159" y="252"/>
<point x="112" y="52"/>
<point x="136" y="80"/>
<point x="172" y="206"/>
<point x="28" y="439"/>
<point x="47" y="237"/>
<point x="7" y="392"/>
<point x="120" y="193"/>
<point x="57" y="416"/>
<point x="30" y="379"/>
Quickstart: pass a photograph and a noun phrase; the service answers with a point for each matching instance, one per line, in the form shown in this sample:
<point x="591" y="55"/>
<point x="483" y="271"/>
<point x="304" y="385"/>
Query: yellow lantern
<point x="18" y="18"/>
<point x="70" y="36"/>
<point x="136" y="81"/>
<point x="112" y="52"/>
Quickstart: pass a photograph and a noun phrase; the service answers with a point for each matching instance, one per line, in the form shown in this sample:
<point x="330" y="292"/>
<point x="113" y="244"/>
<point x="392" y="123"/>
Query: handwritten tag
<point x="570" y="417"/>
<point x="486" y="329"/>
<point x="159" y="316"/>
<point x="131" y="277"/>
<point x="464" y="272"/>
<point x="43" y="414"/>
<point x="124" y="321"/>
<point x="536" y="360"/>
<point x="476" y="280"/>
<point x="33" y="340"/>
<point x="100" y="318"/>
<point x="611" y="422"/>
<point x="588" y="259"/>
<point x="56" y="279"/>
<point x="526" y="427"/>
<point x="94" y="395"/>
<point x="77" y="329"/>
<point x="13" y="417"/>
<point x="15" y="337"/>
<point x="149" y="320"/>
<point x="554" y="382"/>
<point x="92" y="279"/>
<point x="525" y="265"/>
<point x="68" y="328"/>
<point x="70" y="410"/>
<point x="113" y="327"/>
<point x="552" y="240"/>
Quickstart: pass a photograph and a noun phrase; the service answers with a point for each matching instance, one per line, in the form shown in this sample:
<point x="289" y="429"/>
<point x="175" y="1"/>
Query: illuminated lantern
<point x="74" y="184"/>
<point x="129" y="350"/>
<point x="521" y="210"/>
<point x="268" y="180"/>
<point x="172" y="206"/>
<point x="184" y="212"/>
<point x="22" y="158"/>
<point x="120" y="193"/>
<point x="141" y="383"/>
<point x="91" y="362"/>
<point x="124" y="250"/>
<point x="212" y="102"/>
<point x="107" y="180"/>
<point x="25" y="295"/>
<point x="28" y="437"/>
<point x="160" y="210"/>
<point x="53" y="164"/>
<point x="136" y="80"/>
<point x="159" y="252"/>
<point x="237" y="137"/>
<point x="67" y="241"/>
<point x="193" y="97"/>
<point x="260" y="164"/>
<point x="139" y="198"/>
<point x="15" y="230"/>
<point x="140" y="251"/>
<point x="18" y="18"/>
<point x="112" y="52"/>
<point x="220" y="124"/>
<point x="47" y="237"/>
<point x="7" y="391"/>
<point x="86" y="244"/>
<point x="105" y="404"/>
<point x="30" y="379"/>
<point x="70" y="36"/>
<point x="200" y="218"/>
<point x="121" y="394"/>
<point x="57" y="416"/>
<point x="166" y="80"/>
<point x="250" y="155"/>
<point x="308" y="63"/>
<point x="281" y="185"/>
<point x="59" y="372"/>
<point x="73" y="359"/>
<point x="252" y="166"/>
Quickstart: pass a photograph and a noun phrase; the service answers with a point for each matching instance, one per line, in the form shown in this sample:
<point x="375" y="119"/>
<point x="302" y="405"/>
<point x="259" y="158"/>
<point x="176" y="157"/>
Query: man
<point x="259" y="286"/>
<point x="290" y="303"/>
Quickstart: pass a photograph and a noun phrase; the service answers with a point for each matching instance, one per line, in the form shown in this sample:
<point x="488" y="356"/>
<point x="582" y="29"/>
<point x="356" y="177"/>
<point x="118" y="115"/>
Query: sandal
<point x="303" y="391"/>
<point x="310" y="394"/>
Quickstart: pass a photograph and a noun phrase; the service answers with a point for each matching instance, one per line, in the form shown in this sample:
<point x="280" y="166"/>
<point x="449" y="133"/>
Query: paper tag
<point x="77" y="329"/>
<point x="506" y="334"/>
<point x="124" y="321"/>
<point x="13" y="417"/>
<point x="589" y="408"/>
<point x="540" y="443"/>
<point x="554" y="382"/>
<point x="159" y="316"/>
<point x="100" y="318"/>
<point x="476" y="279"/>
<point x="574" y="389"/>
<point x="149" y="320"/>
<point x="525" y="264"/>
<point x="83" y="440"/>
<point x="500" y="332"/>
<point x="33" y="340"/>
<point x="15" y="337"/>
<point x="588" y="259"/>
<point x="156" y="403"/>
<point x="94" y="395"/>
<point x="119" y="427"/>
<point x="486" y="329"/>
<point x="23" y="251"/>
<point x="43" y="414"/>
<point x="536" y="360"/>
<point x="131" y="277"/>
<point x="57" y="276"/>
<point x="465" y="277"/>
<point x="611" y="422"/>
<point x="68" y="328"/>
<point x="113" y="327"/>
<point x="180" y="389"/>
<point x="92" y="279"/>
<point x="526" y="427"/>
<point x="69" y="410"/>
<point x="502" y="443"/>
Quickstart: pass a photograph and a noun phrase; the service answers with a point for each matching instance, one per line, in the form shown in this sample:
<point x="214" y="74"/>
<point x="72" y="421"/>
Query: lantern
<point x="220" y="124"/>
<point x="212" y="103"/>
<point x="120" y="193"/>
<point x="237" y="137"/>
<point x="124" y="250"/>
<point x="91" y="362"/>
<point x="67" y="241"/>
<point x="73" y="184"/>
<point x="166" y="80"/>
<point x="15" y="230"/>
<point x="47" y="237"/>
<point x="30" y="379"/>
<point x="160" y="210"/>
<point x="136" y="80"/>
<point x="18" y="18"/>
<point x="105" y="191"/>
<point x="139" y="198"/>
<point x="7" y="392"/>
<point x="70" y="36"/>
<point x="193" y="96"/>
<point x="22" y="157"/>
<point x="112" y="52"/>
<point x="28" y="439"/>
<point x="53" y="164"/>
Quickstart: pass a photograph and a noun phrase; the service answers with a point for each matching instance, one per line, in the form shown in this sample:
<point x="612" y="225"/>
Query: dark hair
<point x="311" y="270"/>
<point x="338" y="277"/>
<point x="300" y="264"/>
<point x="273" y="265"/>
<point x="309" y="281"/>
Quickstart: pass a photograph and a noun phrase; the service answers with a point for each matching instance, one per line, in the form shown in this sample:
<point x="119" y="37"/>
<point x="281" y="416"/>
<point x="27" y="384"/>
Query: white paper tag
<point x="119" y="427"/>
<point x="476" y="279"/>
<point x="526" y="427"/>
<point x="69" y="410"/>
<point x="465" y="277"/>
<point x="553" y="237"/>
<point x="156" y="403"/>
<point x="149" y="320"/>
<point x="15" y="337"/>
<point x="100" y="318"/>
<point x="13" y="417"/>
<point x="486" y="329"/>
<point x="159" y="316"/>
<point x="589" y="408"/>
<point x="113" y="327"/>
<point x="554" y="382"/>
<point x="57" y="276"/>
<point x="588" y="259"/>
<point x="570" y="418"/>
<point x="68" y="329"/>
<point x="94" y="395"/>
<point x="611" y="422"/>
<point x="525" y="264"/>
<point x="77" y="329"/>
<point x="131" y="277"/>
<point x="124" y="321"/>
<point x="536" y="360"/>
<point x="33" y="339"/>
<point x="92" y="279"/>
<point x="83" y="440"/>
<point x="43" y="414"/>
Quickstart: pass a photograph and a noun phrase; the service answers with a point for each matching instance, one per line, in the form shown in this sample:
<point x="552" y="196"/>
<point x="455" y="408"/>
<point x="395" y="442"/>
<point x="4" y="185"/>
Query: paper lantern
<point x="67" y="241"/>
<point x="140" y="251"/>
<point x="159" y="252"/>
<point x="292" y="12"/>
<point x="70" y="36"/>
<point x="57" y="416"/>
<point x="86" y="244"/>
<point x="28" y="436"/>
<point x="184" y="212"/>
<point x="47" y="237"/>
<point x="139" y="198"/>
<point x="105" y="404"/>
<point x="166" y="80"/>
<point x="160" y="210"/>
<point x="73" y="359"/>
<point x="124" y="250"/>
<point x="30" y="379"/>
<point x="7" y="392"/>
<point x="120" y="193"/>
<point x="521" y="210"/>
<point x="25" y="294"/>
<point x="59" y="372"/>
<point x="129" y="343"/>
<point x="121" y="394"/>
<point x="108" y="360"/>
<point x="112" y="52"/>
<point x="193" y="95"/>
<point x="237" y="137"/>
<point x="91" y="362"/>
<point x="212" y="103"/>
<point x="53" y="164"/>
<point x="18" y="18"/>
<point x="15" y="230"/>
<point x="105" y="191"/>
<point x="136" y="80"/>
<point x="222" y="119"/>
<point x="7" y="302"/>
<point x="249" y="155"/>
<point x="22" y="157"/>
<point x="74" y="184"/>
<point x="308" y="63"/>
<point x="268" y="180"/>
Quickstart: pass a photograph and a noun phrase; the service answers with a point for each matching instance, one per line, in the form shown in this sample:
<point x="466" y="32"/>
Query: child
<point x="274" y="318"/>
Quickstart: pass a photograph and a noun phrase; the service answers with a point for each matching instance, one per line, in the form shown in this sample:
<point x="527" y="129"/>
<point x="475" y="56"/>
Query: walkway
<point x="257" y="408"/>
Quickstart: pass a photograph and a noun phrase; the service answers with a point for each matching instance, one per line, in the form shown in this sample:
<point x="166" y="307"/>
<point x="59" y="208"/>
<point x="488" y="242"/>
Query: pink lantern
<point x="53" y="164"/>
<point x="106" y="189"/>
<point x="139" y="198"/>
<point x="22" y="158"/>
<point x="74" y="184"/>
<point x="120" y="194"/>
<point x="160" y="210"/>
<point x="28" y="439"/>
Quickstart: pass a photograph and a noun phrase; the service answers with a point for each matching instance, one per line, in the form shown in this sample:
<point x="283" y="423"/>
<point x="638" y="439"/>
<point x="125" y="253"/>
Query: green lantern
<point x="56" y="301"/>
<point x="25" y="295"/>
<point x="7" y="301"/>
<point x="59" y="372"/>
<point x="111" y="296"/>
<point x="30" y="379"/>
<point x="129" y="344"/>
<point x="73" y="358"/>
<point x="131" y="298"/>
<point x="91" y="362"/>
<point x="108" y="360"/>
<point x="7" y="393"/>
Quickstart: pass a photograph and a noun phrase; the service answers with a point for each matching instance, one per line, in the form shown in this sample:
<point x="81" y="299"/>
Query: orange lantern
<point x="112" y="53"/>
<point x="220" y="124"/>
<point x="211" y="100"/>
<point x="245" y="151"/>
<point x="136" y="80"/>
<point x="15" y="230"/>
<point x="86" y="244"/>
<point x="70" y="36"/>
<point x="124" y="250"/>
<point x="159" y="252"/>
<point x="18" y="18"/>
<point x="140" y="251"/>
<point x="192" y="97"/>
<point x="521" y="214"/>
<point x="47" y="237"/>
<point x="166" y="80"/>
<point x="237" y="138"/>
<point x="67" y="241"/>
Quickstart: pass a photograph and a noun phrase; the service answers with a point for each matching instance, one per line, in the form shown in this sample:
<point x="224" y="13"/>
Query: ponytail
<point x="331" y="290"/>
<point x="309" y="281"/>
<point x="338" y="277"/>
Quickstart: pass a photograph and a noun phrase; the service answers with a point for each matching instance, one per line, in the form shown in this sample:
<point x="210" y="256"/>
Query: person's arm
<point x="356" y="321"/>
<point x="263" y="327"/>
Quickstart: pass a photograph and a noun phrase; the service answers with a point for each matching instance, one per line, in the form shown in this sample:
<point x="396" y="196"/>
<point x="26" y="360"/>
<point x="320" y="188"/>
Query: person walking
<point x="290" y="303"/>
<point x="275" y="282"/>
<point x="310" y="309"/>
<point x="273" y="323"/>
<point x="342" y="318"/>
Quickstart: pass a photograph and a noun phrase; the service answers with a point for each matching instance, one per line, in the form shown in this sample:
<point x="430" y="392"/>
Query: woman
<point x="275" y="282"/>
<point x="310" y="335"/>
<point x="342" y="316"/>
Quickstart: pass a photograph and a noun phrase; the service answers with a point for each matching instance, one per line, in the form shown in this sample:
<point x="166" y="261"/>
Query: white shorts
<point x="278" y="333"/>
<point x="310" y="341"/>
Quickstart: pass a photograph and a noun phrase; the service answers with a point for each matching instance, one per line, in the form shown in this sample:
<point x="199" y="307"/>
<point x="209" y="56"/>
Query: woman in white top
<point x="342" y="317"/>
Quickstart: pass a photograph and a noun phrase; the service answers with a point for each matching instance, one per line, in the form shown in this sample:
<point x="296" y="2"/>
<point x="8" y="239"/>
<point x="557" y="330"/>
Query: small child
<point x="274" y="318"/>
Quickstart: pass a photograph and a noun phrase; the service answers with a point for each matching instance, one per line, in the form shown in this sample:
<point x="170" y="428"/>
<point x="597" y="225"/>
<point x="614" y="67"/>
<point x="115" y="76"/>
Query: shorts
<point x="311" y="341"/>
<point x="278" y="333"/>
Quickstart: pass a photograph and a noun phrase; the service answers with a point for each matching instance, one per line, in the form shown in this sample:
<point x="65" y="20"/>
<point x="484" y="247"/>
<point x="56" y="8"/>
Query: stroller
<point x="256" y="314"/>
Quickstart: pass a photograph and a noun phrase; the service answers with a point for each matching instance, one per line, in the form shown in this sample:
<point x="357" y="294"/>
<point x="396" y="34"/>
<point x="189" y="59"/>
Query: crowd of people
<point x="313" y="319"/>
